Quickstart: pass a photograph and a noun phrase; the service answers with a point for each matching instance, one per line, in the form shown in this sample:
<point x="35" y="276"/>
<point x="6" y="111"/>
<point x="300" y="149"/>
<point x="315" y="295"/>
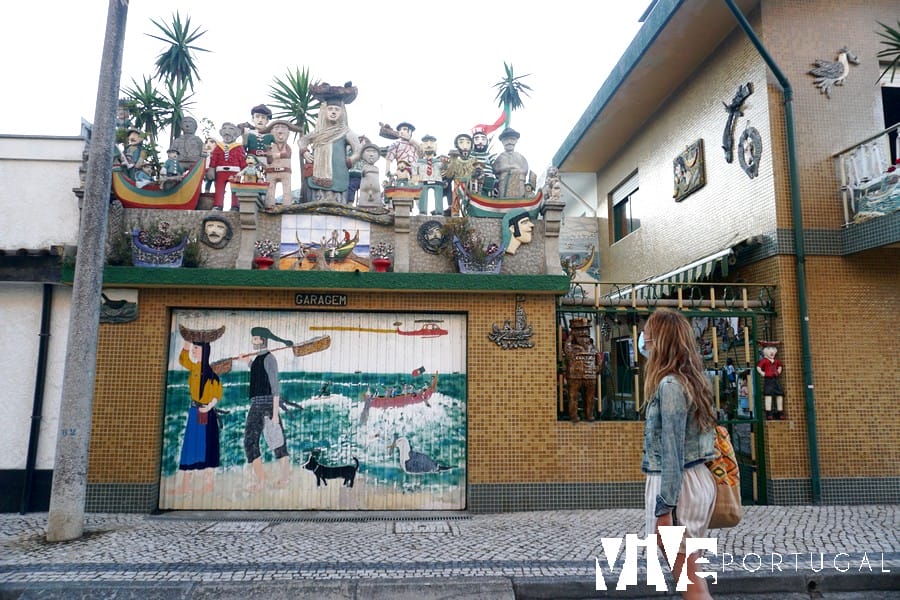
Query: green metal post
<point x="799" y="253"/>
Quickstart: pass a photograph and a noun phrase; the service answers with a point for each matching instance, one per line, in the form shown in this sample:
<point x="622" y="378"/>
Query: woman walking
<point x="679" y="433"/>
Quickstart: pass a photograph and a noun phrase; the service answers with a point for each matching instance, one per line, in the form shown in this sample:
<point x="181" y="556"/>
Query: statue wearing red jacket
<point x="227" y="159"/>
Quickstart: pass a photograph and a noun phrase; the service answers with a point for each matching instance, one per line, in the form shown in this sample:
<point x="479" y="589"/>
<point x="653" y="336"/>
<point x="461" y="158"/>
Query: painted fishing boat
<point x="476" y="205"/>
<point x="398" y="400"/>
<point x="183" y="195"/>
<point x="341" y="251"/>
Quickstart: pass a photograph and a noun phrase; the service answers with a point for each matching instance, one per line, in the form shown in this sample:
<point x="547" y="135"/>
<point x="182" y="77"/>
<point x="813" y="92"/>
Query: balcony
<point x="870" y="192"/>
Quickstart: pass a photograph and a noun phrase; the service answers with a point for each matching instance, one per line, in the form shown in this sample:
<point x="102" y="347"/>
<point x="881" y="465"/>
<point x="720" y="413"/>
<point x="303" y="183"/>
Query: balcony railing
<point x="870" y="184"/>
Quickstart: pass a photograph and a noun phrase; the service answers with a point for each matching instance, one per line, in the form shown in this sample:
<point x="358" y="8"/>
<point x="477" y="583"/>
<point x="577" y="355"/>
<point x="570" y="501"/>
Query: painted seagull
<point x="415" y="463"/>
<point x="830" y="73"/>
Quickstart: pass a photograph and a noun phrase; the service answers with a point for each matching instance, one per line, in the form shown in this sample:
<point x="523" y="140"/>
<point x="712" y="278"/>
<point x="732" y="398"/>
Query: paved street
<point x="783" y="551"/>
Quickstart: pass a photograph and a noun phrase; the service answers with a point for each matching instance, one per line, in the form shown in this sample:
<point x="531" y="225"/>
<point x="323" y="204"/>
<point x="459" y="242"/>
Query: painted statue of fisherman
<point x="481" y="153"/>
<point x="510" y="167"/>
<point x="428" y="172"/>
<point x="404" y="149"/>
<point x="255" y="135"/>
<point x="461" y="171"/>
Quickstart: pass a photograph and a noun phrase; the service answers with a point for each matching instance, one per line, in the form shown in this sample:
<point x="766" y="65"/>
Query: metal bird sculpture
<point x="831" y="73"/>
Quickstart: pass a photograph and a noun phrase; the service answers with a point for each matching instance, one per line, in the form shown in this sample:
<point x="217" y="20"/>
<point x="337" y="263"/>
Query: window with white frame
<point x="624" y="210"/>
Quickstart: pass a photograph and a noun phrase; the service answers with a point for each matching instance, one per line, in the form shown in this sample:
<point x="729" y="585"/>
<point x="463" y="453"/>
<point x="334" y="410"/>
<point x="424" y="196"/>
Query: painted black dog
<point x="323" y="473"/>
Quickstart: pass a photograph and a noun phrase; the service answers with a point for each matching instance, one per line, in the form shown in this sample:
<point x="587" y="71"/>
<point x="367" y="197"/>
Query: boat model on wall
<point x="476" y="205"/>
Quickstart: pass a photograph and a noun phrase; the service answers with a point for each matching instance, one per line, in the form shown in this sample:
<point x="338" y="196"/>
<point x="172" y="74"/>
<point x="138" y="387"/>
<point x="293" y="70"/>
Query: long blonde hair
<point x="675" y="353"/>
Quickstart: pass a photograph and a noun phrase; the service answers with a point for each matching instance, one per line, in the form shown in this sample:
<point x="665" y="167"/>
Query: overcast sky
<point x="432" y="64"/>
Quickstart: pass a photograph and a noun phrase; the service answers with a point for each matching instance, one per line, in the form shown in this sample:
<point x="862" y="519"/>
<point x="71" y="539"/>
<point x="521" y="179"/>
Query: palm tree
<point x="509" y="90"/>
<point x="177" y="64"/>
<point x="892" y="51"/>
<point x="293" y="100"/>
<point x="179" y="100"/>
<point x="151" y="111"/>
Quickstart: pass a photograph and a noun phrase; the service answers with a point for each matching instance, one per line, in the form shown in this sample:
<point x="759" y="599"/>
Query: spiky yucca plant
<point x="509" y="92"/>
<point x="292" y="99"/>
<point x="892" y="50"/>
<point x="177" y="64"/>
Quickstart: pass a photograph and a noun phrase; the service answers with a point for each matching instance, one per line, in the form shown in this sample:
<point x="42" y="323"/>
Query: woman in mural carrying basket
<point x="679" y="436"/>
<point x="200" y="447"/>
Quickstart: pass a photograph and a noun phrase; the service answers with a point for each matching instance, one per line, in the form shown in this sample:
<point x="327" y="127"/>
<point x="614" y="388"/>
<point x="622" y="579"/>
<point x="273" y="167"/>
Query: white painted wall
<point x="20" y="313"/>
<point x="580" y="194"/>
<point x="38" y="206"/>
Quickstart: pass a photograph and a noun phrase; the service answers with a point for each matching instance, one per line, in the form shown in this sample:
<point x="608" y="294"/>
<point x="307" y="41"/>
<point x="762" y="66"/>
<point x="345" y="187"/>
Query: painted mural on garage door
<point x="371" y="411"/>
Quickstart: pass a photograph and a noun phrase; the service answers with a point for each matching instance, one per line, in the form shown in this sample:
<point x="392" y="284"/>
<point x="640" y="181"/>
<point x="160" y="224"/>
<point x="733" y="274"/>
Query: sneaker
<point x="218" y="208"/>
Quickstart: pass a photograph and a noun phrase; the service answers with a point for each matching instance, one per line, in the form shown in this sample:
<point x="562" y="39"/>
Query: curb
<point x="556" y="588"/>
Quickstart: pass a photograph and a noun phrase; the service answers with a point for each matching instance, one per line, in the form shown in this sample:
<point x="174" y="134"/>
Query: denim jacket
<point x="673" y="441"/>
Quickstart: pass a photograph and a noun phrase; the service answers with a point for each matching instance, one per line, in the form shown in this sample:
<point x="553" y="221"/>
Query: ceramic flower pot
<point x="263" y="262"/>
<point x="381" y="265"/>
<point x="145" y="256"/>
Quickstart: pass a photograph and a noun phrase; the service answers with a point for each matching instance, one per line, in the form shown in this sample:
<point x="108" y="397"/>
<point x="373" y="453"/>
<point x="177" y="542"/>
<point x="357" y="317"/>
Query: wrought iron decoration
<point x="734" y="111"/>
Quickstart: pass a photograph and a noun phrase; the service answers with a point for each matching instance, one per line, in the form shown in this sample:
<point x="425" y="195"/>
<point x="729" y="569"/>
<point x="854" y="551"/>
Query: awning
<point x="695" y="272"/>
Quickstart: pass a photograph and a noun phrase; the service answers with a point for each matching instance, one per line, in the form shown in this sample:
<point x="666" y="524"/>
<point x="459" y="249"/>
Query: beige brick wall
<point x="512" y="393"/>
<point x="728" y="209"/>
<point x="513" y="432"/>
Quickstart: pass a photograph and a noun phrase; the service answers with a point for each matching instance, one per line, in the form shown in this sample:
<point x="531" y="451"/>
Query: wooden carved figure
<point x="583" y="362"/>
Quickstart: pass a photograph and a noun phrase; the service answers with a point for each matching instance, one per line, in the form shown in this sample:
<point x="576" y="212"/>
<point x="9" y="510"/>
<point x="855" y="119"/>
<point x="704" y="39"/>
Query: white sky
<point x="432" y="64"/>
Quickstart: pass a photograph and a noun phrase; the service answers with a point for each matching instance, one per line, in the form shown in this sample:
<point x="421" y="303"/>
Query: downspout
<point x="38" y="402"/>
<point x="799" y="253"/>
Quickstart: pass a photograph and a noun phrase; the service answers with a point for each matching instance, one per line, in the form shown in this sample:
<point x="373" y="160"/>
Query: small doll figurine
<point x="172" y="168"/>
<point x="770" y="368"/>
<point x="144" y="176"/>
<point x="253" y="172"/>
<point x="403" y="174"/>
<point x="369" y="187"/>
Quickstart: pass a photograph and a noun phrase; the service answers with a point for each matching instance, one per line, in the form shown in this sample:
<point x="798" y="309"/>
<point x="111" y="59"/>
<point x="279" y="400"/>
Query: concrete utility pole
<point x="66" y="519"/>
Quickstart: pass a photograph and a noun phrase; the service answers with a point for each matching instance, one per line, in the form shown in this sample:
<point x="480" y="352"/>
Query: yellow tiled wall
<point x="512" y="393"/>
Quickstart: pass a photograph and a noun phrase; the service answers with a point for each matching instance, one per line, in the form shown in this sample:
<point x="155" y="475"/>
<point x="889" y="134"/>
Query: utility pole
<point x="67" y="497"/>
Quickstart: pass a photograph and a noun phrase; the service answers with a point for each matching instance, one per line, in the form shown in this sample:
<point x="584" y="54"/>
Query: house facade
<point x="425" y="388"/>
<point x="39" y="174"/>
<point x="694" y="77"/>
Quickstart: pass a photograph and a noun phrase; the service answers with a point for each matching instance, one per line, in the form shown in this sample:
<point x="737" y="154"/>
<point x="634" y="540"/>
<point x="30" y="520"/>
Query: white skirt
<point x="695" y="501"/>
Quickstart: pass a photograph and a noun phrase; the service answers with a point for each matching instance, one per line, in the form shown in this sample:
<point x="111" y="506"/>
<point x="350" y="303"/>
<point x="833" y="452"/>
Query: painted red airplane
<point x="429" y="329"/>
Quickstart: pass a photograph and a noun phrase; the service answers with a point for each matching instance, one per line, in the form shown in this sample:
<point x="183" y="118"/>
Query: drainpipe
<point x="799" y="252"/>
<point x="38" y="402"/>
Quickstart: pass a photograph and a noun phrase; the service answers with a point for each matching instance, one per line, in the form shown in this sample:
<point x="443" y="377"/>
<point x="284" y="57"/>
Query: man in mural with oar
<point x="263" y="418"/>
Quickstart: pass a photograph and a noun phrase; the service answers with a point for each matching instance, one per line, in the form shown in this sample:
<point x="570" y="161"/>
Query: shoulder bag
<point x="727" y="511"/>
